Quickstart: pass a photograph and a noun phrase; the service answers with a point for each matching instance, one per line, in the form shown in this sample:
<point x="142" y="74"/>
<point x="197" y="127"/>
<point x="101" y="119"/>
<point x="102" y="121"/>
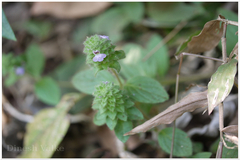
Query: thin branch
<point x="166" y="39"/>
<point x="223" y="40"/>
<point x="15" y="113"/>
<point x="221" y="125"/>
<point x="200" y="56"/>
<point x="234" y="23"/>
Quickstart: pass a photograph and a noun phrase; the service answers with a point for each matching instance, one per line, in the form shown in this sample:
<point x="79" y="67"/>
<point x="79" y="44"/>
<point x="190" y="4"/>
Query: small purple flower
<point x="99" y="57"/>
<point x="96" y="52"/>
<point x="103" y="36"/>
<point x="19" y="71"/>
<point x="105" y="82"/>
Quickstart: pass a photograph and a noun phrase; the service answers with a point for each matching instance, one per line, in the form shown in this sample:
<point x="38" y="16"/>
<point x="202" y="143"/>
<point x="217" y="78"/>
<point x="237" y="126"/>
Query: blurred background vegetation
<point x="58" y="30"/>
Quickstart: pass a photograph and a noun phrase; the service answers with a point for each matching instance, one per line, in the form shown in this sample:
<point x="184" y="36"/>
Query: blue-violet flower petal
<point x="99" y="57"/>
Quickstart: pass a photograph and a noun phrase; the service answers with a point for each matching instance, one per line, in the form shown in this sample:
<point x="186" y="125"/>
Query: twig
<point x="223" y="40"/>
<point x="15" y="113"/>
<point x="221" y="125"/>
<point x="234" y="23"/>
<point x="166" y="39"/>
<point x="200" y="56"/>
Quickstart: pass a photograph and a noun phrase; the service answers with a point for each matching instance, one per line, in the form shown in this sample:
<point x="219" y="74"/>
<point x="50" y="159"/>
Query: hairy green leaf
<point x="134" y="114"/>
<point x="85" y="81"/>
<point x="35" y="60"/>
<point x="48" y="91"/>
<point x="202" y="155"/>
<point x="146" y="90"/>
<point x="121" y="128"/>
<point x="182" y="144"/>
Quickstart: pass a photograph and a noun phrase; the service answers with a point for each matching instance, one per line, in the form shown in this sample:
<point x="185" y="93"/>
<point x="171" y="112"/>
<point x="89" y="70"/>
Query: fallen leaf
<point x="232" y="129"/>
<point x="209" y="37"/>
<point x="187" y="104"/>
<point x="48" y="128"/>
<point x="69" y="10"/>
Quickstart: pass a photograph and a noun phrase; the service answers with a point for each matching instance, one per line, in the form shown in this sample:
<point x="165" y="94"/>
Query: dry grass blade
<point x="231" y="130"/>
<point x="208" y="38"/>
<point x="187" y="104"/>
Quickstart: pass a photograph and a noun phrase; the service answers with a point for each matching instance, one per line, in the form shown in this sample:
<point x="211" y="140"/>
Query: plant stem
<point x="223" y="40"/>
<point x="200" y="56"/>
<point x="116" y="75"/>
<point x="221" y="124"/>
<point x="176" y="99"/>
<point x="166" y="39"/>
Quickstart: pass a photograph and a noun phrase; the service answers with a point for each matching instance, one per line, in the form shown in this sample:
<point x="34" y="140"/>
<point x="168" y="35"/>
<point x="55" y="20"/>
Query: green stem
<point x="116" y="75"/>
<point x="176" y="99"/>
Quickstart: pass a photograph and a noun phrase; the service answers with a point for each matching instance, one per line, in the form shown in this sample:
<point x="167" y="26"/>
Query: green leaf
<point x="134" y="114"/>
<point x="182" y="144"/>
<point x="111" y="123"/>
<point x="116" y="66"/>
<point x="39" y="29"/>
<point x="169" y="14"/>
<point x="231" y="36"/>
<point x="66" y="70"/>
<point x="160" y="59"/>
<point x="99" y="119"/>
<point x="197" y="147"/>
<point x="85" y="81"/>
<point x="229" y="153"/>
<point x="122" y="116"/>
<point x="133" y="64"/>
<point x="133" y="10"/>
<point x="145" y="90"/>
<point x="202" y="155"/>
<point x="11" y="78"/>
<point x="111" y="23"/>
<point x="130" y="66"/>
<point x="35" y="60"/>
<point x="81" y="32"/>
<point x="221" y="84"/>
<point x="47" y="91"/>
<point x="47" y="130"/>
<point x="7" y="31"/>
<point x="122" y="128"/>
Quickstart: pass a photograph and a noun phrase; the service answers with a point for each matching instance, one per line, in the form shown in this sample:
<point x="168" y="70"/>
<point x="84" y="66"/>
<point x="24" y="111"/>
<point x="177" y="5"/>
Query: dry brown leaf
<point x="69" y="10"/>
<point x="208" y="38"/>
<point x="231" y="130"/>
<point x="232" y="139"/>
<point x="187" y="104"/>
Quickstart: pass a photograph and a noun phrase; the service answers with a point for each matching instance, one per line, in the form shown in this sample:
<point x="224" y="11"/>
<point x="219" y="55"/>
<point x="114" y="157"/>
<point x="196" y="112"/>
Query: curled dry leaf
<point x="187" y="104"/>
<point x="231" y="130"/>
<point x="69" y="10"/>
<point x="232" y="139"/>
<point x="208" y="38"/>
<point x="221" y="84"/>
